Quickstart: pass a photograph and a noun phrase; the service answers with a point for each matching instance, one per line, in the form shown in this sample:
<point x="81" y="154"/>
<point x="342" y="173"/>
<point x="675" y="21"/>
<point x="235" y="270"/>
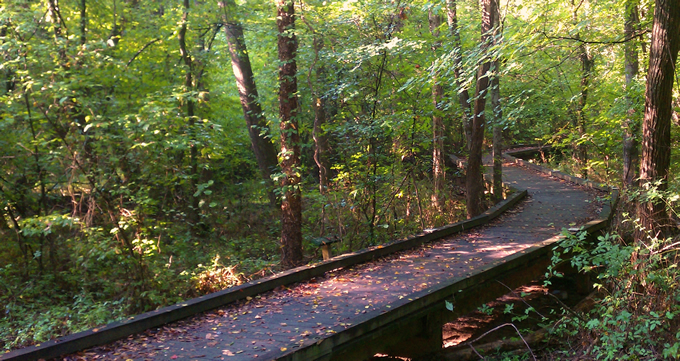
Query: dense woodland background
<point x="154" y="151"/>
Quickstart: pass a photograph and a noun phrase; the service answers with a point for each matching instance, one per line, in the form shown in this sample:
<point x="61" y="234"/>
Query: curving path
<point x="278" y="321"/>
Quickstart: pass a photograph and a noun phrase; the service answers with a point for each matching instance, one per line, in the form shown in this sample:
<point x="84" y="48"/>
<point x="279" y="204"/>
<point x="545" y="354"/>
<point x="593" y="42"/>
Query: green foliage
<point x="485" y="309"/>
<point x="637" y="318"/>
<point x="113" y="197"/>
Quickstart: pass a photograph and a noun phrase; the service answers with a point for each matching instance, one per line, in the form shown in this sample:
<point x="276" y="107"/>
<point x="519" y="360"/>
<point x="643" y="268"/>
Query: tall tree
<point x="656" y="126"/>
<point x="438" y="166"/>
<point x="190" y="108"/>
<point x="291" y="205"/>
<point x="83" y="22"/>
<point x="260" y="138"/>
<point x="631" y="125"/>
<point x="580" y="121"/>
<point x="319" y="105"/>
<point x="474" y="182"/>
<point x="496" y="110"/>
<point x="461" y="88"/>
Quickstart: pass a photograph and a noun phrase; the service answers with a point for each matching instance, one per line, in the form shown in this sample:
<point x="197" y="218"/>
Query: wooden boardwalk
<point x="276" y="322"/>
<point x="350" y="310"/>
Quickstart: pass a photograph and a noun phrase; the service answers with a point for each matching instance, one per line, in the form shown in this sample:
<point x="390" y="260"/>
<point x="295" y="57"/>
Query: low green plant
<point x="485" y="309"/>
<point x="638" y="316"/>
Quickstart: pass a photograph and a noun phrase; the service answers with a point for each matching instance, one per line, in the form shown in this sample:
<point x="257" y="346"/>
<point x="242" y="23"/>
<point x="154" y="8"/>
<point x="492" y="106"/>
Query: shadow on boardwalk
<point x="272" y="324"/>
<point x="275" y="322"/>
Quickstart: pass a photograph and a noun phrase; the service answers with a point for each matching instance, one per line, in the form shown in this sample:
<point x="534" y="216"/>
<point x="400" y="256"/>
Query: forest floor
<point x="525" y="311"/>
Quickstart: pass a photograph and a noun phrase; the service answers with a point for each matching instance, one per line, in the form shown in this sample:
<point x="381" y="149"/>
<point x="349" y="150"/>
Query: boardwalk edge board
<point x="608" y="208"/>
<point x="132" y="325"/>
<point x="433" y="298"/>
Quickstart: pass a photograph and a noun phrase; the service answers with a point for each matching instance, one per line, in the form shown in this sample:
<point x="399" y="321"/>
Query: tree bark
<point x="656" y="126"/>
<point x="319" y="105"/>
<point x="260" y="138"/>
<point x="83" y="22"/>
<point x="320" y="142"/>
<point x="190" y="108"/>
<point x="8" y="83"/>
<point x="497" y="111"/>
<point x="631" y="126"/>
<point x="474" y="182"/>
<point x="580" y="121"/>
<point x="581" y="149"/>
<point x="291" y="206"/>
<point x="438" y="161"/>
<point x="463" y="94"/>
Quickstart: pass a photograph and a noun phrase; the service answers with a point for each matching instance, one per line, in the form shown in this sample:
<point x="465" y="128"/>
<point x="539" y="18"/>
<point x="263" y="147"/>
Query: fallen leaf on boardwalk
<point x="228" y="353"/>
<point x="173" y="357"/>
<point x="209" y="336"/>
<point x="283" y="349"/>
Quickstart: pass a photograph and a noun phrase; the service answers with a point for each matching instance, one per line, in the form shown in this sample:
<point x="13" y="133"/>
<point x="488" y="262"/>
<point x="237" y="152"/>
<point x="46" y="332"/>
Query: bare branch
<point x="140" y="51"/>
<point x="609" y="42"/>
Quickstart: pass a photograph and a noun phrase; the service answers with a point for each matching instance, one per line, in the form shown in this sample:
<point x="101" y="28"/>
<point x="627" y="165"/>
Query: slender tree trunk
<point x="7" y="72"/>
<point x="291" y="207"/>
<point x="497" y="145"/>
<point x="319" y="105"/>
<point x="320" y="143"/>
<point x="631" y="125"/>
<point x="656" y="126"/>
<point x="190" y="108"/>
<point x="463" y="94"/>
<point x="438" y="162"/>
<point x="474" y="181"/>
<point x="260" y="137"/>
<point x="497" y="111"/>
<point x="83" y="22"/>
<point x="580" y="149"/>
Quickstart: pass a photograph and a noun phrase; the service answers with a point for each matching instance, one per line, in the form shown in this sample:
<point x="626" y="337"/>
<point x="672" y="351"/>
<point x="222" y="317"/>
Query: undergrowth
<point x="638" y="315"/>
<point x="84" y="278"/>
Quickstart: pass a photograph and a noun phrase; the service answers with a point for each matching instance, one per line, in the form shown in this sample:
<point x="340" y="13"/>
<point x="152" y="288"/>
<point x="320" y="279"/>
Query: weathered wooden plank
<point x="118" y="330"/>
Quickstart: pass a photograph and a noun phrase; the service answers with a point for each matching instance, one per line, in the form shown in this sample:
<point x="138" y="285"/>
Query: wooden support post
<point x="326" y="251"/>
<point x="325" y="244"/>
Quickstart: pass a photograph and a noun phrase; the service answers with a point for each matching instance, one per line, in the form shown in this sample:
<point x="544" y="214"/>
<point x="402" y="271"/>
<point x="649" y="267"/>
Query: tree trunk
<point x="190" y="106"/>
<point x="586" y="67"/>
<point x="474" y="181"/>
<point x="8" y="82"/>
<point x="83" y="22"/>
<point x="497" y="112"/>
<point x="580" y="150"/>
<point x="463" y="94"/>
<point x="631" y="125"/>
<point x="319" y="105"/>
<point x="260" y="138"/>
<point x="656" y="126"/>
<point x="497" y="145"/>
<point x="438" y="162"/>
<point x="291" y="206"/>
<point x="320" y="143"/>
